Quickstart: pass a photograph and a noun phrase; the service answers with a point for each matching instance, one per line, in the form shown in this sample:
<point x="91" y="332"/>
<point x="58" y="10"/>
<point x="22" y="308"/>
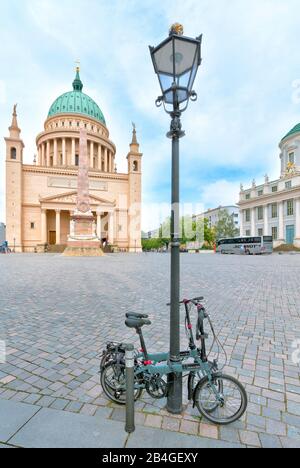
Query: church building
<point x="41" y="197"/>
<point x="273" y="209"/>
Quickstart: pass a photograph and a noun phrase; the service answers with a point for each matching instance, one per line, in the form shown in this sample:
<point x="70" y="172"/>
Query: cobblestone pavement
<point x="56" y="314"/>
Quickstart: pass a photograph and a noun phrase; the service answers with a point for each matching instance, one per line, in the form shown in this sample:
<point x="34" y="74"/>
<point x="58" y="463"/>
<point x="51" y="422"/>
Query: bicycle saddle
<point x="136" y="316"/>
<point x="132" y="322"/>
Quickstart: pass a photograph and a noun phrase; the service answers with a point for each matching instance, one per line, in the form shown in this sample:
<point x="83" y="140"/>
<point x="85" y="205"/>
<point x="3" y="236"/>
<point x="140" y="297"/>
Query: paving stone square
<point x="57" y="314"/>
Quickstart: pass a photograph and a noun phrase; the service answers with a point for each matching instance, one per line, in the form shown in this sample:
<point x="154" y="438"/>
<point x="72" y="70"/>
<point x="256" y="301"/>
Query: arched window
<point x="13" y="153"/>
<point x="135" y="166"/>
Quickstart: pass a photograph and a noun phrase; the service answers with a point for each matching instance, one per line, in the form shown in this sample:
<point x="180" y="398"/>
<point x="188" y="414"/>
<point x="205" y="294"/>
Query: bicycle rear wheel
<point x="221" y="408"/>
<point x="113" y="381"/>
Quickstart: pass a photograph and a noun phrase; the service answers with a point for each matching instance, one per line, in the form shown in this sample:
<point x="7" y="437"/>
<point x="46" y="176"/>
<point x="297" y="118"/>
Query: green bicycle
<point x="220" y="398"/>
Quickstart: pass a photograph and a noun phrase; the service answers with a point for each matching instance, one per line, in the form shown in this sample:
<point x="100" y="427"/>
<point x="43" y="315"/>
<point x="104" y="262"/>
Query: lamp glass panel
<point x="183" y="80"/>
<point x="182" y="95"/>
<point x="184" y="55"/>
<point x="163" y="58"/>
<point x="166" y="81"/>
<point x="193" y="75"/>
<point x="169" y="97"/>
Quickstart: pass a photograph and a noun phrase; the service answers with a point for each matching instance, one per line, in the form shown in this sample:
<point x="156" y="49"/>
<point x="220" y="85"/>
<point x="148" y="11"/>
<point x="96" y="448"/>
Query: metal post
<point x="174" y="404"/>
<point x="129" y="359"/>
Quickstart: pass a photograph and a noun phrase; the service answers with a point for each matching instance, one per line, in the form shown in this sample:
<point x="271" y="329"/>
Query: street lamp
<point x="176" y="61"/>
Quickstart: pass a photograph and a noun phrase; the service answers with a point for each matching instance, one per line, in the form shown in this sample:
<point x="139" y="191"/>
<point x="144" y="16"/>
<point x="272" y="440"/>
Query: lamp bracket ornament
<point x="193" y="96"/>
<point x="176" y="127"/>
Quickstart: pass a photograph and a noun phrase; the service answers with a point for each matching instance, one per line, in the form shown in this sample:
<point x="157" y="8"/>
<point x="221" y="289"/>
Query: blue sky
<point x="247" y="85"/>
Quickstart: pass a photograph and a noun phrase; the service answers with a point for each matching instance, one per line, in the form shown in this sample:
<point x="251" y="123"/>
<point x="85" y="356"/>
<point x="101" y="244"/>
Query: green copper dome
<point x="76" y="102"/>
<point x="294" y="130"/>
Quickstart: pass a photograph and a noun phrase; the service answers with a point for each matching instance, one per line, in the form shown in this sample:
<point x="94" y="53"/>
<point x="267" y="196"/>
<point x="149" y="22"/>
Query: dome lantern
<point x="77" y="83"/>
<point x="76" y="102"/>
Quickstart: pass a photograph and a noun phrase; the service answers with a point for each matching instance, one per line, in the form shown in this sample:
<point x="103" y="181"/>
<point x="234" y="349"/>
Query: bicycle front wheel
<point x="223" y="407"/>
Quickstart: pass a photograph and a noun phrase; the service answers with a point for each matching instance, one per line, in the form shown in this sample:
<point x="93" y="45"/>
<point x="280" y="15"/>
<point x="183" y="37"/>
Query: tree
<point x="209" y="233"/>
<point x="225" y="227"/>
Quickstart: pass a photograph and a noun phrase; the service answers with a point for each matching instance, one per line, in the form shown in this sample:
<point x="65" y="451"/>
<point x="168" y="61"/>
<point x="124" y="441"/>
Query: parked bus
<point x="246" y="245"/>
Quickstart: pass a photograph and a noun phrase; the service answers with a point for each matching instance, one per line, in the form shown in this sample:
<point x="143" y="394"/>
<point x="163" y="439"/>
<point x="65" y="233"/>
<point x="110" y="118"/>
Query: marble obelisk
<point x="83" y="240"/>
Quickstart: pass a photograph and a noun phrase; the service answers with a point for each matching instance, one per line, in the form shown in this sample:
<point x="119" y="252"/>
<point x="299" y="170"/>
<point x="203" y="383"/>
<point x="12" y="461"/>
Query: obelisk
<point x="83" y="240"/>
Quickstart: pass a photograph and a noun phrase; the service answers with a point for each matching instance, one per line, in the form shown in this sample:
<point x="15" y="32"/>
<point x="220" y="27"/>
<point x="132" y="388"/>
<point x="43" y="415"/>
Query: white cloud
<point x="219" y="193"/>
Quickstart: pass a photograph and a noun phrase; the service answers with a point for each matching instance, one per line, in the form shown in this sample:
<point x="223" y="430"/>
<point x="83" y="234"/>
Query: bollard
<point x="129" y="358"/>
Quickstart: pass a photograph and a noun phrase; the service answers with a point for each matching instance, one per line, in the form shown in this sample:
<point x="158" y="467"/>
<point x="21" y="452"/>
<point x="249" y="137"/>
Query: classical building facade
<point x="41" y="198"/>
<point x="273" y="209"/>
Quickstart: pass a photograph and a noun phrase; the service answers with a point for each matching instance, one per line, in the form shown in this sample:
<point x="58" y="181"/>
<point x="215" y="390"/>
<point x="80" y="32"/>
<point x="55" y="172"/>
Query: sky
<point x="248" y="86"/>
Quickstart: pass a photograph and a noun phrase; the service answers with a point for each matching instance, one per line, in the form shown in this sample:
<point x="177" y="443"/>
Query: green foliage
<point x="225" y="227"/>
<point x="209" y="233"/>
<point x="154" y="244"/>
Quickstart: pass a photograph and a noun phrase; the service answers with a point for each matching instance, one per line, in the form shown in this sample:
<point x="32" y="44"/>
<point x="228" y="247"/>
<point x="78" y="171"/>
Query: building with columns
<point x="273" y="209"/>
<point x="40" y="198"/>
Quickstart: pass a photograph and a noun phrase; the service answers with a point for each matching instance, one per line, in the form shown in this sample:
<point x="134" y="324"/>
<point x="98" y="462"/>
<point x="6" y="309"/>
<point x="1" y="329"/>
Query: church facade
<point x="41" y="198"/>
<point x="273" y="209"/>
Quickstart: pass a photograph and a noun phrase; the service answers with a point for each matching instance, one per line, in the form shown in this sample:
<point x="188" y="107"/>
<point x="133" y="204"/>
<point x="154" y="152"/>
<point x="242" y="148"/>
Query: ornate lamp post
<point x="176" y="61"/>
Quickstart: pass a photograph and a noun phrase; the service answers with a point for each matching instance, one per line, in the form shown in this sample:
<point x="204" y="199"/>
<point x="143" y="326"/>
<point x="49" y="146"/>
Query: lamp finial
<point x="177" y="29"/>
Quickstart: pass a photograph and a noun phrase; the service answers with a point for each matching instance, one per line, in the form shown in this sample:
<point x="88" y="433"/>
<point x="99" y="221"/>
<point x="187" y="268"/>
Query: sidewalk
<point x="29" y="426"/>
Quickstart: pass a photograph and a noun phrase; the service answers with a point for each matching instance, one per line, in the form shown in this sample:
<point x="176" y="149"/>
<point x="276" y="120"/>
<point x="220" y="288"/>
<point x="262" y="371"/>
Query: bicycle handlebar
<point x="194" y="301"/>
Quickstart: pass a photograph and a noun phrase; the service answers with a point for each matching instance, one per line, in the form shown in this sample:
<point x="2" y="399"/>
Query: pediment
<point x="71" y="198"/>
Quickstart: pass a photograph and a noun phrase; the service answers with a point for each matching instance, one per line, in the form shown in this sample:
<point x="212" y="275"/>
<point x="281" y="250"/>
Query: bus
<point x="259" y="245"/>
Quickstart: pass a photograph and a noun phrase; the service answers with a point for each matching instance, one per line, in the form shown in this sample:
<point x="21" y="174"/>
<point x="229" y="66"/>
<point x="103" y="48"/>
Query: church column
<point x="99" y="226"/>
<point x="266" y="220"/>
<point x="43" y="154"/>
<point x="58" y="230"/>
<point x="40" y="156"/>
<point x="64" y="151"/>
<point x="73" y="163"/>
<point x="242" y="214"/>
<point x="105" y="160"/>
<point x="55" y="153"/>
<point x="298" y="219"/>
<point x="92" y="154"/>
<point x="281" y="235"/>
<point x="44" y="233"/>
<point x="48" y="153"/>
<point x="253" y="222"/>
<point x="99" y="158"/>
<point x="111" y="228"/>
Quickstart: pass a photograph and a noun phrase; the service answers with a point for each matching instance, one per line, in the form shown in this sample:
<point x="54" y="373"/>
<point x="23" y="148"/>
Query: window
<point x="274" y="210"/>
<point x="290" y="208"/>
<point x="260" y="232"/>
<point x="32" y="225"/>
<point x="13" y="153"/>
<point x="248" y="216"/>
<point x="275" y="188"/>
<point x="135" y="166"/>
<point x="248" y="233"/>
<point x="292" y="158"/>
<point x="260" y="193"/>
<point x="247" y="196"/>
<point x="76" y="160"/>
<point x="288" y="184"/>
<point x="260" y="213"/>
<point x="275" y="233"/>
